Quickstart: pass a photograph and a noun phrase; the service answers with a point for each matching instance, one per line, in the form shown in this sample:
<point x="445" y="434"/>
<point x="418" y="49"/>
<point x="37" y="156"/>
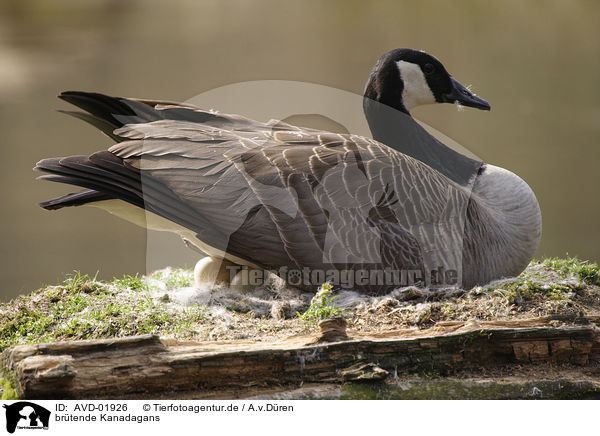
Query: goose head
<point x="404" y="78"/>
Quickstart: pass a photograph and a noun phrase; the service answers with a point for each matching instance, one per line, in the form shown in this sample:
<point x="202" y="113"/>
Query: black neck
<point x="395" y="128"/>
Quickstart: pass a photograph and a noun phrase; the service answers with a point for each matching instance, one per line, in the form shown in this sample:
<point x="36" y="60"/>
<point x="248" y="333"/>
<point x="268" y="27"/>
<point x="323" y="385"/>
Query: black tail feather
<point x="115" y="111"/>
<point x="75" y="199"/>
<point x="102" y="125"/>
<point x="109" y="175"/>
<point x="109" y="113"/>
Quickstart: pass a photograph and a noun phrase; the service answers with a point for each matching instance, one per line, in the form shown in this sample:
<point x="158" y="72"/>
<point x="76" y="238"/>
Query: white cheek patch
<point x="416" y="90"/>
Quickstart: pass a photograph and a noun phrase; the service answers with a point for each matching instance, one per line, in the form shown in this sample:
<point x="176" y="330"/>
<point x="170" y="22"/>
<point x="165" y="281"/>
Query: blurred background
<point x="536" y="62"/>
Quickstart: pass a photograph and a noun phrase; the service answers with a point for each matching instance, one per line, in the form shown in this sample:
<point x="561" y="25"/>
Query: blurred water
<point x="538" y="63"/>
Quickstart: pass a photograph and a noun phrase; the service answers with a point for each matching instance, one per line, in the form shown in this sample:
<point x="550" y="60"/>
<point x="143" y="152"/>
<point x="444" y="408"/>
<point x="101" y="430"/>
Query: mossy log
<point x="147" y="365"/>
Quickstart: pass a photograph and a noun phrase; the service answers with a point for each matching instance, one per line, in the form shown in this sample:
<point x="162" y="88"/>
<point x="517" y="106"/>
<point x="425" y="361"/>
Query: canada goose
<point x="312" y="205"/>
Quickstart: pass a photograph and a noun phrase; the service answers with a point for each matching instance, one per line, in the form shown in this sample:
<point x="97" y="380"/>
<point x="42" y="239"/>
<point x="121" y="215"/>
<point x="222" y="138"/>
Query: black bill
<point x="461" y="95"/>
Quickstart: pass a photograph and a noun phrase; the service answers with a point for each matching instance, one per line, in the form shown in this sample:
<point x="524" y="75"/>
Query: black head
<point x="405" y="78"/>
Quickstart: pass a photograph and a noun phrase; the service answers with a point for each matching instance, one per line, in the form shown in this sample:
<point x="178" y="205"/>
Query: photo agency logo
<point x="296" y="182"/>
<point x="24" y="415"/>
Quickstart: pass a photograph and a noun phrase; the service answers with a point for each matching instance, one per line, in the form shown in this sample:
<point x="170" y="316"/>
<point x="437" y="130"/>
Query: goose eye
<point x="428" y="68"/>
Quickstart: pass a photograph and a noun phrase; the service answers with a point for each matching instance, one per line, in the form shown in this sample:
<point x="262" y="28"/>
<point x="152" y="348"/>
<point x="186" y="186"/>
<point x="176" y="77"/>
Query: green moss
<point x="135" y="283"/>
<point x="25" y="325"/>
<point x="321" y="306"/>
<point x="589" y="273"/>
<point x="84" y="308"/>
<point x="175" y="278"/>
<point x="448" y="309"/>
<point x="76" y="282"/>
<point x="528" y="290"/>
<point x="534" y="285"/>
<point x="8" y="392"/>
<point x="584" y="270"/>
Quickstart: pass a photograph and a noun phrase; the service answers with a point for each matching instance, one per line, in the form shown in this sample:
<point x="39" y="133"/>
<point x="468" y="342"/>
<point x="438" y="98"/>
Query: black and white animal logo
<point x="26" y="415"/>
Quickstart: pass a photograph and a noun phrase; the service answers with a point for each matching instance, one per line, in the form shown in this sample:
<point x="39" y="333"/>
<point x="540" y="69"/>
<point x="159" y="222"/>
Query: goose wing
<point x="274" y="194"/>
